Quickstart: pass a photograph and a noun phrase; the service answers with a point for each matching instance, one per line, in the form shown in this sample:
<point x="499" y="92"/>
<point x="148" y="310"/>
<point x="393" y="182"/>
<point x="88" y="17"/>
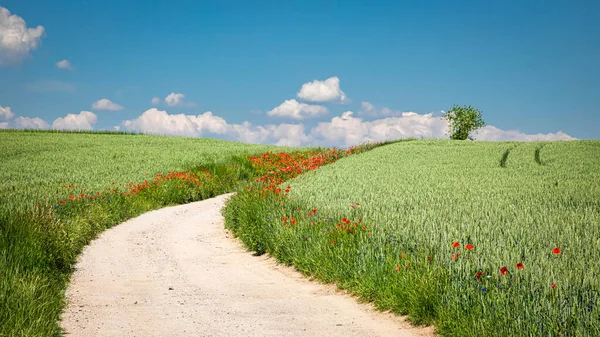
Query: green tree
<point x="462" y="120"/>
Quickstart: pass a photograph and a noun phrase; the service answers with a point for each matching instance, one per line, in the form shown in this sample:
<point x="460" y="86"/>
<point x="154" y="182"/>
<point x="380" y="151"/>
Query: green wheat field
<point x="475" y="238"/>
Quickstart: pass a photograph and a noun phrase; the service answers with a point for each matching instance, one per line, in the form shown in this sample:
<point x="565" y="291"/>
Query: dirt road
<point x="177" y="272"/>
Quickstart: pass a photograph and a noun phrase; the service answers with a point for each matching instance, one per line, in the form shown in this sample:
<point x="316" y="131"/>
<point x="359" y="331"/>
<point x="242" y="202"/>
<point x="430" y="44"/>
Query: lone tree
<point x="462" y="121"/>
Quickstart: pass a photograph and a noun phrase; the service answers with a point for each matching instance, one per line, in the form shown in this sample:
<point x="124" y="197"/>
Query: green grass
<point x="514" y="202"/>
<point x="39" y="243"/>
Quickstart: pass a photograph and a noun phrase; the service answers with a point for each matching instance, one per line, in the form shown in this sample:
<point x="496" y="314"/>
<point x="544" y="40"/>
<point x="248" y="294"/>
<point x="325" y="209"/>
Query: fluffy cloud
<point x="322" y="91"/>
<point x="16" y="40"/>
<point x="176" y="99"/>
<point x="155" y="100"/>
<point x="31" y="123"/>
<point x="293" y="109"/>
<point x="4" y="125"/>
<point x="156" y="121"/>
<point x="64" y="64"/>
<point x="82" y="121"/>
<point x="348" y="130"/>
<point x="106" y="104"/>
<point x="344" y="130"/>
<point x="5" y="113"/>
<point x="160" y="122"/>
<point x="492" y="133"/>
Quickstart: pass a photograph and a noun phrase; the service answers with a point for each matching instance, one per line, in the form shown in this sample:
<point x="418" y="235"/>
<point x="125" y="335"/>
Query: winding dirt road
<point x="177" y="272"/>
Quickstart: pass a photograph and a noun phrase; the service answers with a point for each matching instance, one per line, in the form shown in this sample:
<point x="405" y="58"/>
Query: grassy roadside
<point x="454" y="234"/>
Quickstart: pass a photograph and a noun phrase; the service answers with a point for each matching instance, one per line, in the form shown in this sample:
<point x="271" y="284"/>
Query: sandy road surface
<point x="176" y="272"/>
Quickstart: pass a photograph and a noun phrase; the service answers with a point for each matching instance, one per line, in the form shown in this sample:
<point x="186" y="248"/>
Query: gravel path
<point x="177" y="272"/>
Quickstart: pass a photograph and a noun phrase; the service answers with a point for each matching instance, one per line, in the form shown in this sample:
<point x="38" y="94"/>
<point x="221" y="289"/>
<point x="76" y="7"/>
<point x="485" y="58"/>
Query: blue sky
<point x="530" y="66"/>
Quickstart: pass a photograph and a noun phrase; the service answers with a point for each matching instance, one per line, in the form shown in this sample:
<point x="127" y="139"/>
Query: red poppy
<point x="504" y="270"/>
<point x="556" y="251"/>
<point x="455" y="244"/>
<point x="454" y="257"/>
<point x="293" y="221"/>
<point x="469" y="247"/>
<point x="553" y="285"/>
<point x="520" y="265"/>
<point x="397" y="268"/>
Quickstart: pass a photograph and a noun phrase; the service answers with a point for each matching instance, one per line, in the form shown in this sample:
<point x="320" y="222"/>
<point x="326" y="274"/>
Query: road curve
<point x="177" y="272"/>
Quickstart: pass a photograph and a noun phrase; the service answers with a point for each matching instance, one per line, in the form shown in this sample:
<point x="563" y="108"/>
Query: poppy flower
<point x="556" y="251"/>
<point x="454" y="257"/>
<point x="469" y="247"/>
<point x="520" y="265"/>
<point x="455" y="244"/>
<point x="504" y="270"/>
<point x="553" y="285"/>
<point x="397" y="268"/>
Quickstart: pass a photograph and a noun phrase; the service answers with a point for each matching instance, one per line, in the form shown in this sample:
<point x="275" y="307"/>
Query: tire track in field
<point x="177" y="272"/>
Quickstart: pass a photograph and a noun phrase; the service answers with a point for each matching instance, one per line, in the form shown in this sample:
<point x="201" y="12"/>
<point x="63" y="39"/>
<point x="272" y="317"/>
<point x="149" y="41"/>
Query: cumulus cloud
<point x="155" y="100"/>
<point x="16" y="40"/>
<point x="322" y="91"/>
<point x="31" y="123"/>
<point x="348" y="130"/>
<point x="492" y="133"/>
<point x="4" y="125"/>
<point x="82" y="121"/>
<point x="293" y="109"/>
<point x="156" y="121"/>
<point x="344" y="130"/>
<point x="176" y="99"/>
<point x="106" y="104"/>
<point x="64" y="64"/>
<point x="6" y="113"/>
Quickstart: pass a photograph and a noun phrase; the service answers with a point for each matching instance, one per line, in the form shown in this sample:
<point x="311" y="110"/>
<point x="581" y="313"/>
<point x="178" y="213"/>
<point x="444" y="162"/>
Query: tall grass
<point x="441" y="232"/>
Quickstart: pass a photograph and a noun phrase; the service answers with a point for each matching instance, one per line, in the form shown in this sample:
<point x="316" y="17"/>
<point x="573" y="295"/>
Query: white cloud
<point x="156" y="121"/>
<point x="50" y="86"/>
<point x="31" y="123"/>
<point x="4" y="125"/>
<point x="160" y="122"/>
<point x="106" y="104"/>
<point x="82" y="121"/>
<point x="155" y="100"/>
<point x="64" y="64"/>
<point x="293" y="109"/>
<point x="176" y="99"/>
<point x="16" y="40"/>
<point x="322" y="91"/>
<point x="344" y="130"/>
<point x="492" y="133"/>
<point x="347" y="130"/>
<point x="5" y="113"/>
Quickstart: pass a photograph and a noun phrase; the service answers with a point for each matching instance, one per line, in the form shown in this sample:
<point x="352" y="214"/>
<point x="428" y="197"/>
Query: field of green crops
<point x="38" y="164"/>
<point x="477" y="238"/>
<point x="59" y="190"/>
